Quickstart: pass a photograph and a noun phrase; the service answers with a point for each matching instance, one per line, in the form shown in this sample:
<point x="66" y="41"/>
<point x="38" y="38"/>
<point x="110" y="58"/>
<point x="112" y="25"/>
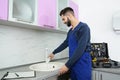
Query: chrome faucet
<point x="47" y="59"/>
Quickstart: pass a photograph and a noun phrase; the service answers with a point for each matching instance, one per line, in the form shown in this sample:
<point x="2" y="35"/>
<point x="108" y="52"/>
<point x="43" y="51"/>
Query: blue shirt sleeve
<point x="84" y="35"/>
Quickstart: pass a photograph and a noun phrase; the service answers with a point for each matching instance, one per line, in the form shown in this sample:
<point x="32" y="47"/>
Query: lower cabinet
<point x="108" y="76"/>
<point x="95" y="75"/>
<point x="99" y="75"/>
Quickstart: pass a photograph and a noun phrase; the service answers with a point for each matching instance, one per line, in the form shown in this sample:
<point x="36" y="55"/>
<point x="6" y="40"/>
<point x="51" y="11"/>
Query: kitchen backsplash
<point x="19" y="46"/>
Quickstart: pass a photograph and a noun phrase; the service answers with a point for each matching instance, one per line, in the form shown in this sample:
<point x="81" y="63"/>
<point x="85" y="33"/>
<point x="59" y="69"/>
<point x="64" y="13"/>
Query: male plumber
<point x="78" y="41"/>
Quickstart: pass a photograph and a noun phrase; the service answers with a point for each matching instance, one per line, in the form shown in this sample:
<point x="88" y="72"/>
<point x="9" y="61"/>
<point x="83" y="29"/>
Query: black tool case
<point x="100" y="56"/>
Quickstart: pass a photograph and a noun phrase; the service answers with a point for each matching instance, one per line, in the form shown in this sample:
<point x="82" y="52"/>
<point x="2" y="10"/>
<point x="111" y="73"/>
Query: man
<point x="78" y="41"/>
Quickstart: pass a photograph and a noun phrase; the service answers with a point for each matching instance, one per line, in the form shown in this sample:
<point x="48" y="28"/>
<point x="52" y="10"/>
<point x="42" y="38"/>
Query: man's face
<point x="66" y="20"/>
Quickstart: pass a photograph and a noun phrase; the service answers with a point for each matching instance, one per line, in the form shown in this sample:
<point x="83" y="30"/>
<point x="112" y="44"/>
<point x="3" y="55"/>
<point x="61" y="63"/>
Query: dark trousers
<point x="65" y="76"/>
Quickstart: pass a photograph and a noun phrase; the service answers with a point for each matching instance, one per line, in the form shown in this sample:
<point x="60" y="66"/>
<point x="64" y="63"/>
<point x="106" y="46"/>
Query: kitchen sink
<point x="46" y="67"/>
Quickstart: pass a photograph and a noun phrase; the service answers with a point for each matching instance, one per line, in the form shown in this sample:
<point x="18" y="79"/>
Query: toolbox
<point x="100" y="56"/>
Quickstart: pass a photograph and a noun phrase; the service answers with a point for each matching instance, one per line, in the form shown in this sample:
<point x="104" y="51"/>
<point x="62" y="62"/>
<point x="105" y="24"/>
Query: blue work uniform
<point x="78" y="41"/>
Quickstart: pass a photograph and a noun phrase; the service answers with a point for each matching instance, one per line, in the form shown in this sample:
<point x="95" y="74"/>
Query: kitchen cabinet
<point x="23" y="11"/>
<point x="108" y="76"/>
<point x="47" y="13"/>
<point x="100" y="75"/>
<point x="61" y="5"/>
<point x="4" y="9"/>
<point x="43" y="13"/>
<point x="38" y="12"/>
<point x="95" y="75"/>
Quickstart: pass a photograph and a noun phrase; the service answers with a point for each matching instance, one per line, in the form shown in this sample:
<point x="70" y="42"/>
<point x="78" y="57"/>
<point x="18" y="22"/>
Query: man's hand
<point x="63" y="70"/>
<point x="51" y="56"/>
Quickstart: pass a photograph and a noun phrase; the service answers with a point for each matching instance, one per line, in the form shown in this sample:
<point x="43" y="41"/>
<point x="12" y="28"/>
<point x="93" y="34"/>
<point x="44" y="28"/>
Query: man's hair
<point x="65" y="10"/>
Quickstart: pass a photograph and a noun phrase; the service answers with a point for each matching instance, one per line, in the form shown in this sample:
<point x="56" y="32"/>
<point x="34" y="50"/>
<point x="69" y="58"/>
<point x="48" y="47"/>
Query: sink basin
<point x="51" y="66"/>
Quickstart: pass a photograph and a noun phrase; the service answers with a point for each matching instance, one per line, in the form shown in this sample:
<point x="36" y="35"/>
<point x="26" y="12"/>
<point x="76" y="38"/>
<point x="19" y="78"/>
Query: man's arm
<point x="82" y="43"/>
<point x="59" y="49"/>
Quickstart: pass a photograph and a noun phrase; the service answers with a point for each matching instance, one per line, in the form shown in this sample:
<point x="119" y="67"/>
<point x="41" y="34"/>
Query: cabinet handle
<point x="101" y="77"/>
<point x="95" y="75"/>
<point x="48" y="26"/>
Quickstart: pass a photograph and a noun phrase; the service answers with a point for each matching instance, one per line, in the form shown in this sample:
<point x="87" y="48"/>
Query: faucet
<point x="47" y="59"/>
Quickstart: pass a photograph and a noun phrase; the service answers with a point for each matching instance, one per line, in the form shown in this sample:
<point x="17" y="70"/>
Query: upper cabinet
<point x="23" y="11"/>
<point x="39" y="13"/>
<point x="47" y="10"/>
<point x="48" y="13"/>
<point x="61" y="5"/>
<point x="4" y="9"/>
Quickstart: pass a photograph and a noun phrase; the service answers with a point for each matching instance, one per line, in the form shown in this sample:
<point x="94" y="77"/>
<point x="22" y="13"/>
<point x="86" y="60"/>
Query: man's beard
<point x="68" y="22"/>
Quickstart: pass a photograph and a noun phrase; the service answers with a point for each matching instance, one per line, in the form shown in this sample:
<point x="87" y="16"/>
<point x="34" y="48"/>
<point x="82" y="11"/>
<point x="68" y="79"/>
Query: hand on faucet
<point x="51" y="56"/>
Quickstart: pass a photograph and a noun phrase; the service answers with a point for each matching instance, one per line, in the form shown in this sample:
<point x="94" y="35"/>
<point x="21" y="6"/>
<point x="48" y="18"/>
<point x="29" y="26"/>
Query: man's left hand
<point x="63" y="70"/>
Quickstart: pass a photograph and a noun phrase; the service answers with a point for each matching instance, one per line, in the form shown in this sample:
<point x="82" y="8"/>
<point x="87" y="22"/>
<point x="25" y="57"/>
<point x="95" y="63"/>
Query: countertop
<point x="108" y="70"/>
<point x="42" y="75"/>
<point x="39" y="75"/>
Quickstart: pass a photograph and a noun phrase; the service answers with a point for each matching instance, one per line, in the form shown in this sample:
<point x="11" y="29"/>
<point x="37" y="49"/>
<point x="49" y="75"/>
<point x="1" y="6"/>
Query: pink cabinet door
<point x="4" y="9"/>
<point x="47" y="13"/>
<point x="75" y="8"/>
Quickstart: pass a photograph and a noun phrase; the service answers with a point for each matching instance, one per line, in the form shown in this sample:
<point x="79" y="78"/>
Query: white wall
<point x="19" y="46"/>
<point x="98" y="15"/>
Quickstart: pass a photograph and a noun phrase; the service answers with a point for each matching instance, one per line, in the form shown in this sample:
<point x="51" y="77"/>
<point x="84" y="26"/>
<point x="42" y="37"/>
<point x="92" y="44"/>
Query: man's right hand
<point x="51" y="56"/>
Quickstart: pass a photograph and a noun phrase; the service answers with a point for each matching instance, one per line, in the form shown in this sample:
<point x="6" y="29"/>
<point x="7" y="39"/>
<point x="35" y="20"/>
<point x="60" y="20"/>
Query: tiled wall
<point x="20" y="46"/>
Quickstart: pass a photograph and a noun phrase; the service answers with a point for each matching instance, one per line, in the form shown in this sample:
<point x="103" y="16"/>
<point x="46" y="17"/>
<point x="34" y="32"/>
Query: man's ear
<point x="69" y="15"/>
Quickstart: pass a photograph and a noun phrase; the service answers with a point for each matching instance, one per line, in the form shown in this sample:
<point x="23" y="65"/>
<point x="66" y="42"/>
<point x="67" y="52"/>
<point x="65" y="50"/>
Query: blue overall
<point x="78" y="41"/>
<point x="82" y="68"/>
